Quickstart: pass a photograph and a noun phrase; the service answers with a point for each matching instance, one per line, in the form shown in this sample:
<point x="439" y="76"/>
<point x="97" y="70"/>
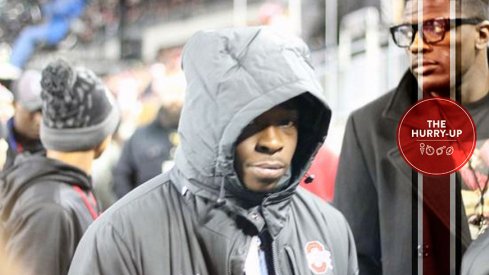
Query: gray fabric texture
<point x="191" y="220"/>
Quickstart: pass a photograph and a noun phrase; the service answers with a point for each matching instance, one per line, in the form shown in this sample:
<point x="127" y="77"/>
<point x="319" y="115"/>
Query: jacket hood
<point x="233" y="76"/>
<point x="29" y="170"/>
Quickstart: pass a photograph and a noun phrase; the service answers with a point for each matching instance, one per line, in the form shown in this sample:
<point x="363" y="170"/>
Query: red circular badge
<point x="436" y="136"/>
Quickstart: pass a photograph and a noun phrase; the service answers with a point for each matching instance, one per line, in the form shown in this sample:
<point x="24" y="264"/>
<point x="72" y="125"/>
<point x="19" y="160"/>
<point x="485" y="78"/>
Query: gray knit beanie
<point x="78" y="111"/>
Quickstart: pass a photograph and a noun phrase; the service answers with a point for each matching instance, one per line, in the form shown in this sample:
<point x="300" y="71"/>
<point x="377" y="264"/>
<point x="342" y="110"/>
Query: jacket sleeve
<point x="103" y="251"/>
<point x="42" y="239"/>
<point x="124" y="171"/>
<point x="356" y="197"/>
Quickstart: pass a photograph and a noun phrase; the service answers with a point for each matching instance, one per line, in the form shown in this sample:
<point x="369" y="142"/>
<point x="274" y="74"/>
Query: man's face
<point x="27" y="123"/>
<point x="434" y="67"/>
<point x="266" y="147"/>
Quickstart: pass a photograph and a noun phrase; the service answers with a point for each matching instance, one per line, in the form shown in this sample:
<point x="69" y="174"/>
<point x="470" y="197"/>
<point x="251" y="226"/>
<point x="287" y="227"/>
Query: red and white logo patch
<point x="318" y="258"/>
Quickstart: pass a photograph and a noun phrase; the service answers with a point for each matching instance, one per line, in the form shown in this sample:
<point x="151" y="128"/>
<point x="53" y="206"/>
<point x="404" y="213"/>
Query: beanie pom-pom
<point x="59" y="100"/>
<point x="58" y="79"/>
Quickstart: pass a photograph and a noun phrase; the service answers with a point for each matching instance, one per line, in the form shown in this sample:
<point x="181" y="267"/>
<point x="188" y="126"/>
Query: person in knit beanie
<point x="47" y="201"/>
<point x="78" y="113"/>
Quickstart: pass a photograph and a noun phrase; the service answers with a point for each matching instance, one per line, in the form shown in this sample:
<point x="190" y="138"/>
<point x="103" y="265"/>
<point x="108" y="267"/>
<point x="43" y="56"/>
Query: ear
<point x="102" y="146"/>
<point x="483" y="38"/>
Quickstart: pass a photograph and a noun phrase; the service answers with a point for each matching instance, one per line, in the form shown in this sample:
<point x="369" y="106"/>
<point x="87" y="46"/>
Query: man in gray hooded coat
<point x="253" y="118"/>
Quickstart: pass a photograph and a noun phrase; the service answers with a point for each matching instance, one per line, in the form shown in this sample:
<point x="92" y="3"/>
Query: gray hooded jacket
<point x="198" y="218"/>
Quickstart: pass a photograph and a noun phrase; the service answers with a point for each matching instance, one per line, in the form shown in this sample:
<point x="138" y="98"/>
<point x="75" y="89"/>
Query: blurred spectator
<point x="23" y="127"/>
<point x="47" y="203"/>
<point x="149" y="151"/>
<point x="6" y="112"/>
<point x="6" y="106"/>
<point x="145" y="155"/>
<point x="58" y="15"/>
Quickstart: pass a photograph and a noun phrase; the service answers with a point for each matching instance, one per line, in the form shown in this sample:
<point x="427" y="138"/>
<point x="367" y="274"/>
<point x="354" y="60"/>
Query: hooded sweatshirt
<point x="198" y="218"/>
<point x="45" y="206"/>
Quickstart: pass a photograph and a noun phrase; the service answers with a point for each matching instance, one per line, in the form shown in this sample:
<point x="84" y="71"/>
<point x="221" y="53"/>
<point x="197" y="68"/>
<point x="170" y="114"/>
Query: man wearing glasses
<point x="374" y="184"/>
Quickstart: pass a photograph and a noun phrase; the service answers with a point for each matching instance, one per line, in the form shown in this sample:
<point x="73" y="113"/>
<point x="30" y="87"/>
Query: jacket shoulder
<point x="43" y="192"/>
<point x="146" y="204"/>
<point x="374" y="108"/>
<point x="318" y="206"/>
<point x="142" y="220"/>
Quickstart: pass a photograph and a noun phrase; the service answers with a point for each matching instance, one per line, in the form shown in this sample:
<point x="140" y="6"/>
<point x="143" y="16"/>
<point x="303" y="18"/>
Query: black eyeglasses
<point x="433" y="30"/>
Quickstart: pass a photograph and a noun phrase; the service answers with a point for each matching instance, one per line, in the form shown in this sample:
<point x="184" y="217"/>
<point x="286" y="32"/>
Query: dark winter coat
<point x="374" y="187"/>
<point x="45" y="207"/>
<point x="191" y="220"/>
<point x="142" y="157"/>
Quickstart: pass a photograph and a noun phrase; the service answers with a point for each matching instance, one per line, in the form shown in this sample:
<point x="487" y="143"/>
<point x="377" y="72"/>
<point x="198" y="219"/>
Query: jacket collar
<point x="404" y="96"/>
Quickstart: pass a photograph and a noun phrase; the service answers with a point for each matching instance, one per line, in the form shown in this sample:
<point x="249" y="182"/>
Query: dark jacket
<point x="43" y="213"/>
<point x="18" y="145"/>
<point x="198" y="218"/>
<point x="142" y="157"/>
<point x="374" y="187"/>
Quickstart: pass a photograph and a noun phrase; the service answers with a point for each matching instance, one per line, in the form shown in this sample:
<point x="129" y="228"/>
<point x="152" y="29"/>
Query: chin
<point x="263" y="185"/>
<point x="440" y="85"/>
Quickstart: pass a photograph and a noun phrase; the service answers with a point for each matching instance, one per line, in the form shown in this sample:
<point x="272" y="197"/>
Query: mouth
<point x="424" y="68"/>
<point x="268" y="169"/>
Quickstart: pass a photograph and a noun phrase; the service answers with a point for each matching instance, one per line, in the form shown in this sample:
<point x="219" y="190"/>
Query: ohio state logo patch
<point x="318" y="258"/>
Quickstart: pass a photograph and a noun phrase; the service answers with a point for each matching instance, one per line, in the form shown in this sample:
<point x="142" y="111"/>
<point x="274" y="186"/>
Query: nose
<point x="418" y="45"/>
<point x="270" y="140"/>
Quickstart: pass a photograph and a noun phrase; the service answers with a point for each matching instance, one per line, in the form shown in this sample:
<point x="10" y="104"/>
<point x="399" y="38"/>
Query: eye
<point x="438" y="27"/>
<point x="406" y="31"/>
<point x="435" y="27"/>
<point x="287" y="123"/>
